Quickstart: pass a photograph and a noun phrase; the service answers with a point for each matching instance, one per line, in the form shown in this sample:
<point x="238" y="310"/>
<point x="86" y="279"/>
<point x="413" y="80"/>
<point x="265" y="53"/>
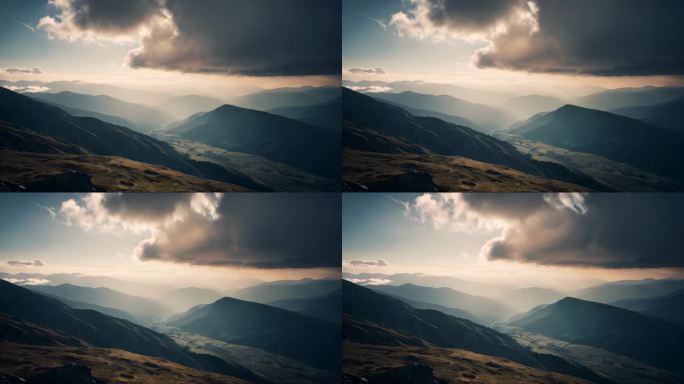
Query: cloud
<point x="605" y="38"/>
<point x="376" y="71"/>
<point x="370" y="281"/>
<point x="368" y="263"/>
<point x="28" y="281"/>
<point x="242" y="37"/>
<point x="27" y="89"/>
<point x="26" y="263"/>
<point x="235" y="230"/>
<point x="35" y="71"/>
<point x="370" y="88"/>
<point x="590" y="230"/>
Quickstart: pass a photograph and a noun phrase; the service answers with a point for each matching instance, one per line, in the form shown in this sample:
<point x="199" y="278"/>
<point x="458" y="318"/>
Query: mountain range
<point x="275" y="330"/>
<point x="259" y="133"/>
<point x="618" y="330"/>
<point x="616" y="137"/>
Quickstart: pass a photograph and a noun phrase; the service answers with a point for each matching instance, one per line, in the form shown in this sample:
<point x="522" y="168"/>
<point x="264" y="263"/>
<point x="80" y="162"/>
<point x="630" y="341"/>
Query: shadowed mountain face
<point x="274" y="137"/>
<point x="275" y="330"/>
<point x="288" y="289"/>
<point x="324" y="307"/>
<point x="629" y="97"/>
<point x="432" y="326"/>
<point x="484" y="309"/>
<point x="667" y="115"/>
<point x="144" y="118"/>
<point x="617" y="330"/>
<point x="668" y="307"/>
<point x="143" y="309"/>
<point x="486" y="118"/>
<point x="87" y="325"/>
<point x="287" y="97"/>
<point x="629" y="289"/>
<point x="616" y="137"/>
<point x="326" y="115"/>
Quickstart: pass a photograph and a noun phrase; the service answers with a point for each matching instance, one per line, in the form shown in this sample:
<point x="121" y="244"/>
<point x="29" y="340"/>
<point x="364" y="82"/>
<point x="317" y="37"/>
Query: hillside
<point x="275" y="330"/>
<point x="259" y="133"/>
<point x="667" y="115"/>
<point x="617" y="330"/>
<point x="619" y="138"/>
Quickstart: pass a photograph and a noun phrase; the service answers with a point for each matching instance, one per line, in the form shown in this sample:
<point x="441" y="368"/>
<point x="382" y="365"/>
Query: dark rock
<point x="66" y="374"/>
<point x="7" y="186"/>
<point x="70" y="181"/>
<point x="409" y="374"/>
<point x="413" y="181"/>
<point x="9" y="379"/>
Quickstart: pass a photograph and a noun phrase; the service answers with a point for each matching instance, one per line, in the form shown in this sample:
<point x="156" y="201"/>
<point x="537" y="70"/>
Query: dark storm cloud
<point x="243" y="37"/>
<point x="35" y="71"/>
<point x="605" y="38"/>
<point x="591" y="230"/>
<point x="256" y="231"/>
<point x="377" y="71"/>
<point x="368" y="263"/>
<point x="242" y="230"/>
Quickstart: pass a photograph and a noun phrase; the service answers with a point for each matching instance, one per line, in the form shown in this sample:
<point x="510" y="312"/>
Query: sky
<point x="201" y="240"/>
<point x="537" y="46"/>
<point x="525" y="240"/>
<point x="211" y="47"/>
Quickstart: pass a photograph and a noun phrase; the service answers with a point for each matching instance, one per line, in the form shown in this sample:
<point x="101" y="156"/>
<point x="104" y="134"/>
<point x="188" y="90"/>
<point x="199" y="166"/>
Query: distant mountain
<point x="259" y="133"/>
<point x="182" y="299"/>
<point x="525" y="106"/>
<point x="288" y="289"/>
<point x="617" y="330"/>
<point x="143" y="309"/>
<point x="144" y="118"/>
<point x="324" y="307"/>
<point x="113" y="312"/>
<point x="667" y="115"/>
<point x="629" y="97"/>
<point x="524" y="299"/>
<point x="327" y="114"/>
<point x="473" y="95"/>
<point x="484" y="309"/>
<point x="458" y="120"/>
<point x="275" y="330"/>
<point x="667" y="307"/>
<point x="182" y="107"/>
<point x="90" y="326"/>
<point x="287" y="97"/>
<point x="487" y="118"/>
<point x="629" y="290"/>
<point x="432" y="326"/>
<point x="616" y="137"/>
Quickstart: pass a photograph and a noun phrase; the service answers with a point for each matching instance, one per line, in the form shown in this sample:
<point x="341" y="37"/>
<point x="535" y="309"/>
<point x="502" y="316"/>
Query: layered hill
<point x="30" y="125"/>
<point x="324" y="307"/>
<point x="618" y="138"/>
<point x="487" y="118"/>
<point x="275" y="330"/>
<point x="259" y="133"/>
<point x="434" y="327"/>
<point x="617" y="330"/>
<point x="327" y="114"/>
<point x="484" y="309"/>
<point x="287" y="289"/>
<point x="144" y="118"/>
<point x="669" y="114"/>
<point x="667" y="307"/>
<point x="143" y="309"/>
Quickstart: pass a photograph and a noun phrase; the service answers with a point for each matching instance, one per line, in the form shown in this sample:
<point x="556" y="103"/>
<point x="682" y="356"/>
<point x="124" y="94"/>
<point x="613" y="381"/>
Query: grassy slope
<point x="449" y="365"/>
<point x="109" y="365"/>
<point x="110" y="173"/>
<point x="450" y="173"/>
